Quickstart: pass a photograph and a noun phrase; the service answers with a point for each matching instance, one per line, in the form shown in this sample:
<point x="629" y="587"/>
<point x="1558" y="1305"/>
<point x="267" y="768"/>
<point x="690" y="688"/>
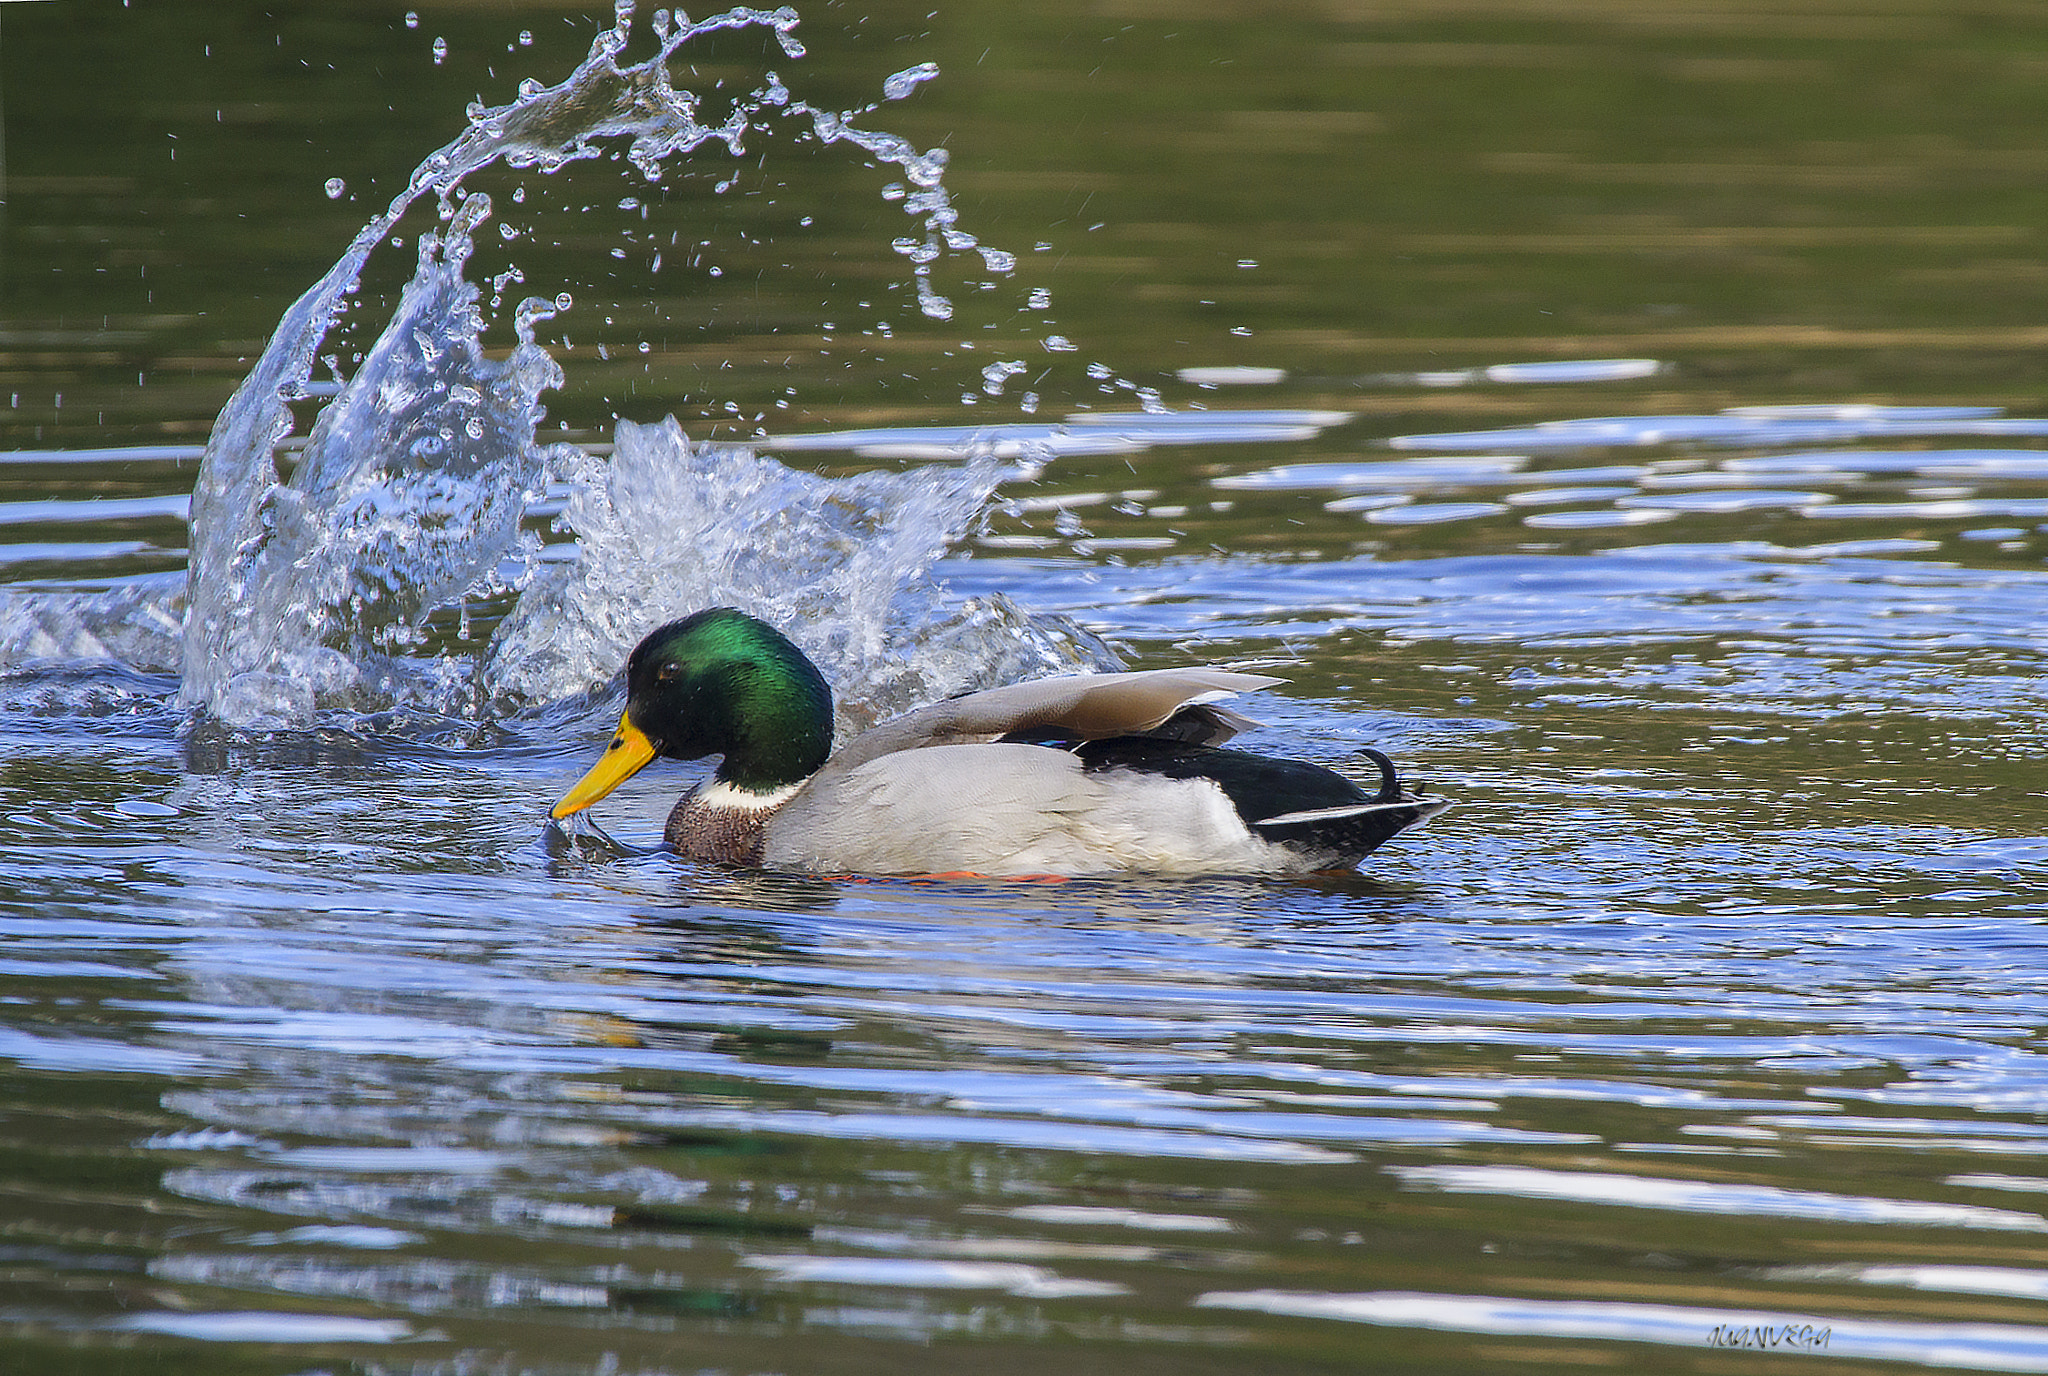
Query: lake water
<point x="1629" y="418"/>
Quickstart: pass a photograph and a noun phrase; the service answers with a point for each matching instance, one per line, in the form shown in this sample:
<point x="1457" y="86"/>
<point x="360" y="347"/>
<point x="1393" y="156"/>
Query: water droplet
<point x="901" y="84"/>
<point x="1059" y="344"/>
<point x="336" y="188"/>
<point x="440" y="51"/>
<point x="1247" y="262"/>
<point x="929" y="169"/>
<point x="1040" y="299"/>
<point x="412" y="19"/>
<point x="996" y="376"/>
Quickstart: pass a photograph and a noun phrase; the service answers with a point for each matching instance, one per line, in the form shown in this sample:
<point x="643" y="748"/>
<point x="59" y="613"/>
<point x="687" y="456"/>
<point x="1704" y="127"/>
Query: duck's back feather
<point x="1078" y="707"/>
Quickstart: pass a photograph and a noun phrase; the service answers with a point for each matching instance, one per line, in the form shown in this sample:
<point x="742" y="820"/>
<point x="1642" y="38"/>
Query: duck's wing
<point x="1175" y="702"/>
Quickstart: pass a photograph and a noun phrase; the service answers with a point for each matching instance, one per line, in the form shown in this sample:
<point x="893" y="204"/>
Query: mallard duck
<point x="1090" y="774"/>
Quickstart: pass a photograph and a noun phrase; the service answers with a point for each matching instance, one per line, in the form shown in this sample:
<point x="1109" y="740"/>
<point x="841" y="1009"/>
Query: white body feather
<point x="1010" y="809"/>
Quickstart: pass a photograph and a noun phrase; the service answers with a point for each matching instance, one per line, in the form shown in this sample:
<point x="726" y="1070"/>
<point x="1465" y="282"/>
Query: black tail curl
<point x="1390" y="778"/>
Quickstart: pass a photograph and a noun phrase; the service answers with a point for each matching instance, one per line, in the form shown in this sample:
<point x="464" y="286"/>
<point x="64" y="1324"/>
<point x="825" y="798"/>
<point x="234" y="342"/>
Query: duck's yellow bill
<point x="626" y="756"/>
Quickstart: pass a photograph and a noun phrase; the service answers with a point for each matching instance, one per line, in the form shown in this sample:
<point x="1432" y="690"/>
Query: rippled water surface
<point x="1630" y="420"/>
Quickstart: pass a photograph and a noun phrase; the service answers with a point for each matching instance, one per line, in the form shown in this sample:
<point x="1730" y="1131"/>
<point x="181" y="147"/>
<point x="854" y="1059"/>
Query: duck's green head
<point x="719" y="682"/>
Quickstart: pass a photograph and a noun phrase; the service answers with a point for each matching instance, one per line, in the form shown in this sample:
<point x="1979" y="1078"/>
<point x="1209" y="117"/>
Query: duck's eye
<point x="667" y="671"/>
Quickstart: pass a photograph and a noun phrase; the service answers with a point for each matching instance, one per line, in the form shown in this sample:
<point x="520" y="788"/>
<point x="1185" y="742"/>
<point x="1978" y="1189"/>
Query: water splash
<point x="407" y="498"/>
<point x="317" y="592"/>
<point x="668" y="526"/>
